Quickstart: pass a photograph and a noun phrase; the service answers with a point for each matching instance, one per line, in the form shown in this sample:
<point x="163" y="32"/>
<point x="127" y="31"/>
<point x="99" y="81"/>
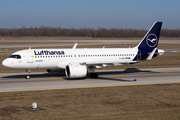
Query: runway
<point x="39" y="81"/>
<point x="71" y="43"/>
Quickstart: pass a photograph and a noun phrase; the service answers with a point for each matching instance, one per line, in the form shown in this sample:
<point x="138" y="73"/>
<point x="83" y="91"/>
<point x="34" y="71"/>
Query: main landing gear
<point x="93" y="74"/>
<point x="27" y="76"/>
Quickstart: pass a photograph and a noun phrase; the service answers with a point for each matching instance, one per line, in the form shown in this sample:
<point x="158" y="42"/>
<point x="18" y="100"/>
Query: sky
<point x="125" y="14"/>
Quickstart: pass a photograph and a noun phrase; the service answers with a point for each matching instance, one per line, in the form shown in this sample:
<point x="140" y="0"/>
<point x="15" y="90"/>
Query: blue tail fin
<point x="149" y="42"/>
<point x="151" y="39"/>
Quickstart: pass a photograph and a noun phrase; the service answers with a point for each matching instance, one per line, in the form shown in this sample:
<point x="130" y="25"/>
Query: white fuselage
<point x="60" y="58"/>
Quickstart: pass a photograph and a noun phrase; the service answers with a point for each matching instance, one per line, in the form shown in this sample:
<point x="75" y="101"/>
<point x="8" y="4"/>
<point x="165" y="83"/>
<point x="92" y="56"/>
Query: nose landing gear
<point x="28" y="77"/>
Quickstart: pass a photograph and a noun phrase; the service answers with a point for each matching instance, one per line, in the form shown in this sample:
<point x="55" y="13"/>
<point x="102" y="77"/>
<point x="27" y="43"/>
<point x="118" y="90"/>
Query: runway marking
<point x="91" y="87"/>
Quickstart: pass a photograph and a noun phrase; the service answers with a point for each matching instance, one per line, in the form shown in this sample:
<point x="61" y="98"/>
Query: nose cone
<point x="6" y="63"/>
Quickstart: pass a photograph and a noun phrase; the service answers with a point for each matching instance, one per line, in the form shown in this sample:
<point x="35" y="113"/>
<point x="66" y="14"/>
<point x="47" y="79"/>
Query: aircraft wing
<point x="109" y="63"/>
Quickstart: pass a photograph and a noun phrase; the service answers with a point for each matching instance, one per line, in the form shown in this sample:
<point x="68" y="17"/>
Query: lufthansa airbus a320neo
<point x="78" y="62"/>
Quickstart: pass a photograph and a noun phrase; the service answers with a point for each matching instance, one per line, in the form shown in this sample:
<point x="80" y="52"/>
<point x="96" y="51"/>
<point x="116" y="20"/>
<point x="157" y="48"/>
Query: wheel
<point x="27" y="77"/>
<point x="93" y="75"/>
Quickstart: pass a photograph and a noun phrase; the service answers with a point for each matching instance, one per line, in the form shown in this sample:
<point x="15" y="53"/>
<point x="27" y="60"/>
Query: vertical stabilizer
<point x="149" y="43"/>
<point x="151" y="39"/>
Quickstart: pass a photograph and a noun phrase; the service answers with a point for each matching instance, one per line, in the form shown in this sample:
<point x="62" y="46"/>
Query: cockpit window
<point x="15" y="56"/>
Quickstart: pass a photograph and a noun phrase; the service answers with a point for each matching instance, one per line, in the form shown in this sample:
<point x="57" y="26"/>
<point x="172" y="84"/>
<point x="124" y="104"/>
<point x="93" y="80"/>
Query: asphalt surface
<point x="71" y="42"/>
<point x="38" y="81"/>
<point x="15" y="82"/>
<point x="68" y="43"/>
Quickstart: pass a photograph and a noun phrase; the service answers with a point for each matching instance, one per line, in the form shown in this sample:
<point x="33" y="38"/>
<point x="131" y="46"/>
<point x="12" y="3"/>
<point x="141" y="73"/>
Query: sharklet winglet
<point x="75" y="45"/>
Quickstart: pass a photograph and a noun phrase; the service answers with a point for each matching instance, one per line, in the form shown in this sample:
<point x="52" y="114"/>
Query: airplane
<point x="77" y="62"/>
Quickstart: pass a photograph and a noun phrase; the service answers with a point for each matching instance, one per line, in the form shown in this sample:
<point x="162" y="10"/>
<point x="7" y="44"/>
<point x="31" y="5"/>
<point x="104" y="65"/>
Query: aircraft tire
<point x="27" y="77"/>
<point x="94" y="75"/>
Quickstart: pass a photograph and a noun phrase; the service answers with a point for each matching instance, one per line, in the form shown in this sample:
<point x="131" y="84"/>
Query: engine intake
<point x="75" y="70"/>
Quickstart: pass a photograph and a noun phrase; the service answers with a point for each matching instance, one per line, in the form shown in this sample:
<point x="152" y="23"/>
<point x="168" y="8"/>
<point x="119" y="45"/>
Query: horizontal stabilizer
<point x="151" y="54"/>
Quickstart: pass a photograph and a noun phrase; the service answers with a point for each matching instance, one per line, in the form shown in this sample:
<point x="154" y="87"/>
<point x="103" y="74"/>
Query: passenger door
<point x="30" y="57"/>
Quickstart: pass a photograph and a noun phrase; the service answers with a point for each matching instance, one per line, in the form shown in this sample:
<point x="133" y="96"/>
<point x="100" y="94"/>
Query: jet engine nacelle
<point x="75" y="70"/>
<point x="54" y="70"/>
